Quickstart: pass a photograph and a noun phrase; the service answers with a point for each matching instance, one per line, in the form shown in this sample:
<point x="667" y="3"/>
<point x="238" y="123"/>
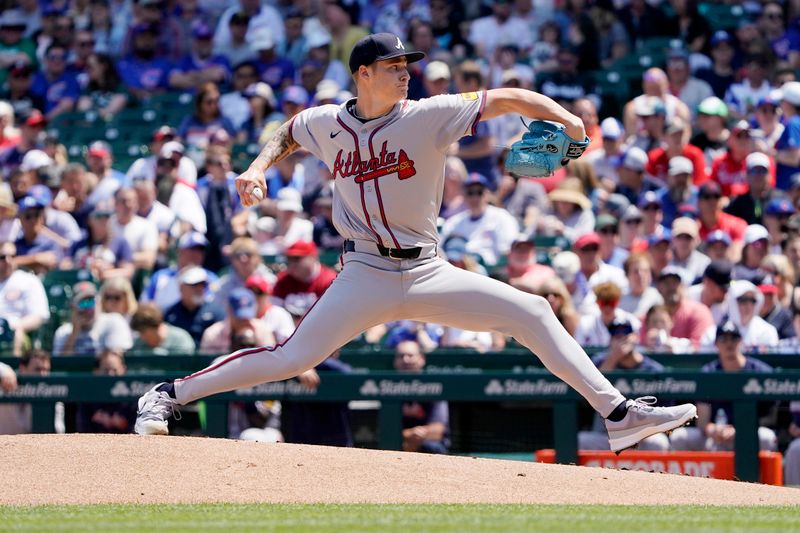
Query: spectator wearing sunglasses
<point x="54" y="85"/>
<point x="685" y="255"/>
<point x="89" y="331"/>
<point x="690" y="319"/>
<point x="39" y="248"/>
<point x="194" y="312"/>
<point x="607" y="227"/>
<point x="756" y="248"/>
<point x="245" y="261"/>
<point x="750" y="204"/>
<point x="23" y="301"/>
<point x="593" y="271"/>
<point x="678" y="190"/>
<point x="777" y="213"/>
<point x="743" y="303"/>
<point x="712" y="217"/>
<point x="593" y="329"/>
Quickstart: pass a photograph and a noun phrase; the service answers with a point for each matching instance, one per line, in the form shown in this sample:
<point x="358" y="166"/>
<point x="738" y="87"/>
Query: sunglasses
<point x="85" y="304"/>
<point x="728" y="338"/>
<point x="768" y="110"/>
<point x="607" y="303"/>
<point x="652" y="207"/>
<point x="31" y="215"/>
<point x="607" y="231"/>
<point x="746" y="300"/>
<point x="591" y="248"/>
<point x="114" y="297"/>
<point x="633" y="221"/>
<point x="242" y="256"/>
<point x="474" y="192"/>
<point x="56" y="57"/>
<point x="85" y="43"/>
<point x="213" y="162"/>
<point x="710" y="196"/>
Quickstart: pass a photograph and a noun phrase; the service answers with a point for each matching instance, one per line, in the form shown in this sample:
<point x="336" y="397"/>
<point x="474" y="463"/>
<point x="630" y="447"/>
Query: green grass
<point x="406" y="518"/>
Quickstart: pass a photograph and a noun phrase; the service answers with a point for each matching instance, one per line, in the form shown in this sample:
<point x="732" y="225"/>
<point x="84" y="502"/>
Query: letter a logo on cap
<point x="399" y="45"/>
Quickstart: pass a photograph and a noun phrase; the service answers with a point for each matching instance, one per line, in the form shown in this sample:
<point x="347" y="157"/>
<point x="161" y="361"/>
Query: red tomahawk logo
<point x="404" y="168"/>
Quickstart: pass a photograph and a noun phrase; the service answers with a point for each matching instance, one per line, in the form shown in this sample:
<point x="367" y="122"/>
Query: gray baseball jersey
<point x="388" y="173"/>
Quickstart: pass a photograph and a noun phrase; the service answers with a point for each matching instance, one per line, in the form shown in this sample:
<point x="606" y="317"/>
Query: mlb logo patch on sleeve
<point x="469" y="96"/>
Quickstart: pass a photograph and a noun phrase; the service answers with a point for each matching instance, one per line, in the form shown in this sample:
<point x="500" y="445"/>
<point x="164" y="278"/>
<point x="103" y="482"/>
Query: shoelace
<point x="644" y="403"/>
<point x="163" y="405"/>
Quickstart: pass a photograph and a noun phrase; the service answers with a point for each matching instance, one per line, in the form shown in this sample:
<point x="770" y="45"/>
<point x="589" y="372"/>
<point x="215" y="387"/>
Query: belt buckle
<point x="392" y="253"/>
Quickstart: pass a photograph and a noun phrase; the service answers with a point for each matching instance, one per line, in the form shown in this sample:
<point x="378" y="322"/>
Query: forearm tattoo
<point x="279" y="146"/>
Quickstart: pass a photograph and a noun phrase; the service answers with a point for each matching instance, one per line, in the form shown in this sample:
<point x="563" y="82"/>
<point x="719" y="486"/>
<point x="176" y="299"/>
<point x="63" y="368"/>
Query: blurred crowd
<point x="677" y="231"/>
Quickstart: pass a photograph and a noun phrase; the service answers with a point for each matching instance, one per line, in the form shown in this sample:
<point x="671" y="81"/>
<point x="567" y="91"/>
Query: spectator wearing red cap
<point x="145" y="167"/>
<point x="593" y="271"/>
<point x="277" y="319"/>
<point x="712" y="217"/>
<point x="31" y="128"/>
<point x="305" y="278"/>
<point x="98" y="160"/>
<point x="773" y="312"/>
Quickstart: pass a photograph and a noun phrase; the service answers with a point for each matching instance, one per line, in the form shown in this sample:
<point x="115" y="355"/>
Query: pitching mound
<point x="86" y="469"/>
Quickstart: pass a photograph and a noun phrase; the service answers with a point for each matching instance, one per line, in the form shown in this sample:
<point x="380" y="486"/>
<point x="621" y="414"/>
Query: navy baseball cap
<point x="243" y="303"/>
<point x="664" y="236"/>
<point x="718" y="236"/>
<point x="779" y="206"/>
<point x="476" y="178"/>
<point x="29" y="202"/>
<point x="379" y="47"/>
<point x="728" y="329"/>
<point x="193" y="239"/>
<point x="720" y="36"/>
<point x="620" y="326"/>
<point x="648" y="198"/>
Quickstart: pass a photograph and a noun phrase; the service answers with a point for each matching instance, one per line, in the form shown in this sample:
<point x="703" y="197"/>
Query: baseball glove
<point x="543" y="149"/>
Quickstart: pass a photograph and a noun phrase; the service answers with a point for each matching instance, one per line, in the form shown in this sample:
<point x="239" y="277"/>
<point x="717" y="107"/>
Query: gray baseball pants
<point x="372" y="289"/>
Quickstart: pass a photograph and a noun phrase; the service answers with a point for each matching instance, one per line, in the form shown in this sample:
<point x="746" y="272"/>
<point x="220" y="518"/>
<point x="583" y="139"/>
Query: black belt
<point x="394" y="253"/>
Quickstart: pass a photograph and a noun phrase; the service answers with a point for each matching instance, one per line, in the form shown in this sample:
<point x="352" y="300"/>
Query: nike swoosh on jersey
<point x="335" y="134"/>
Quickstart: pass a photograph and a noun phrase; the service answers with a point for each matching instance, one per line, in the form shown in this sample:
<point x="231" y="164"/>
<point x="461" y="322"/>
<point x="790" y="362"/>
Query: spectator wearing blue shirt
<point x="54" y="85"/>
<point x="196" y="130"/>
<point x="426" y="425"/>
<point x="38" y="248"/>
<point x="105" y="255"/>
<point x="273" y="69"/>
<point x="221" y="203"/>
<point x="678" y="191"/>
<point x="477" y="148"/>
<point x="714" y="430"/>
<point x="164" y="288"/>
<point x="143" y="71"/>
<point x="201" y="65"/>
<point x="99" y="160"/>
<point x="787" y="149"/>
<point x="194" y="313"/>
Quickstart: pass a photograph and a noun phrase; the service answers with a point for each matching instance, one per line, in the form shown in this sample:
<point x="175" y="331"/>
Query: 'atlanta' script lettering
<point x="385" y="163"/>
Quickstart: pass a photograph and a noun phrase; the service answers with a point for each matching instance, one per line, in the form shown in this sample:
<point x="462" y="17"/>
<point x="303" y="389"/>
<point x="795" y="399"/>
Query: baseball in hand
<point x="258" y="194"/>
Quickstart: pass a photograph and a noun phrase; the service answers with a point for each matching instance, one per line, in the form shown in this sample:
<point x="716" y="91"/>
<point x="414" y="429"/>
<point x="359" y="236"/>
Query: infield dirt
<point x="87" y="469"/>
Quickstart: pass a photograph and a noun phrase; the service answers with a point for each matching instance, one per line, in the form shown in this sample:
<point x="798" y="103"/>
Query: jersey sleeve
<point x="452" y="116"/>
<point x="302" y="128"/>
